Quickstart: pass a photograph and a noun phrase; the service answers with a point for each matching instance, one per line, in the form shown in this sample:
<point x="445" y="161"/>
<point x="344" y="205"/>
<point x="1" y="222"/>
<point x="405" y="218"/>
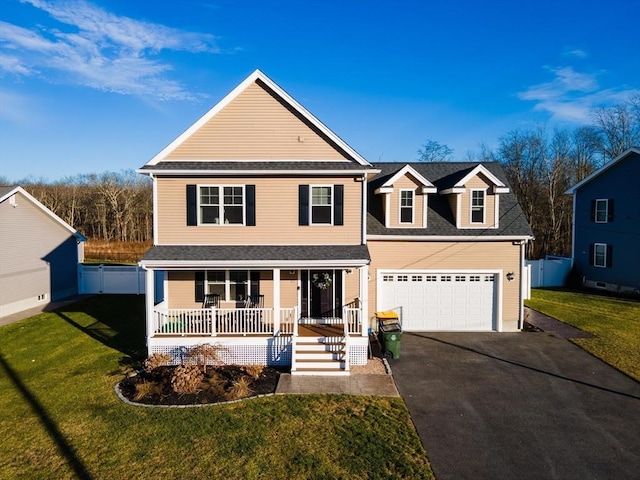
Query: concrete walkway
<point x="46" y="307"/>
<point x="354" y="384"/>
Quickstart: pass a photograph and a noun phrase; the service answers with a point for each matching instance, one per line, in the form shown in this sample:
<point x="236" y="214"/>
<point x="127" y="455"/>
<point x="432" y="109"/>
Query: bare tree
<point x="433" y="151"/>
<point x="619" y="126"/>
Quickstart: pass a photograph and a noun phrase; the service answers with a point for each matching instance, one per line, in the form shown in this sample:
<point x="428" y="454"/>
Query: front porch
<point x="325" y="345"/>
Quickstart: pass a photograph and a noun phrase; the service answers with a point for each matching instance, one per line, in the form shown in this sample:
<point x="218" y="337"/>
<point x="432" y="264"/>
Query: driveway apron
<point x="518" y="406"/>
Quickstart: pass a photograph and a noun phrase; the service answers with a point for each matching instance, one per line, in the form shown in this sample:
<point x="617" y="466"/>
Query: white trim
<point x="413" y="207"/>
<point x="425" y="206"/>
<point x="383" y="190"/>
<point x="365" y="206"/>
<point x="603" y="169"/>
<point x="482" y="169"/>
<point x="48" y="212"/>
<point x="154" y="192"/>
<point x="595" y="254"/>
<point x="251" y="79"/>
<point x="484" y="206"/>
<point x="221" y="205"/>
<point x="496" y="210"/>
<point x="449" y="191"/>
<point x="251" y="264"/>
<point x="450" y="238"/>
<point x="412" y="171"/>
<point x="387" y="209"/>
<point x="262" y="172"/>
<point x="276" y="300"/>
<point x="606" y="210"/>
<point x="459" y="210"/>
<point x="573" y="231"/>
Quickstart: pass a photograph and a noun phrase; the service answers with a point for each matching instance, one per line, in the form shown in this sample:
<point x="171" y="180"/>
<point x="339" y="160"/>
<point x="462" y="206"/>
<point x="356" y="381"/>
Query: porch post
<point x="149" y="300"/>
<point x="276" y="301"/>
<point x="364" y="300"/>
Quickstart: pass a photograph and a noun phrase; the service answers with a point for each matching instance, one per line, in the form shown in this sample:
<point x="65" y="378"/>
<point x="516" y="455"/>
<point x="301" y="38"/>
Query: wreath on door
<point x="321" y="280"/>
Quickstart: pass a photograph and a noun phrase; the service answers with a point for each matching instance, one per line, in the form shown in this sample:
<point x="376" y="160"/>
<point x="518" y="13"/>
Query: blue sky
<point x="91" y="86"/>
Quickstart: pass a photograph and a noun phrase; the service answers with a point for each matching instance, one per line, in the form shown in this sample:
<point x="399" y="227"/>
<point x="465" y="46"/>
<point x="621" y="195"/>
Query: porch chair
<point x="254" y="301"/>
<point x="211" y="300"/>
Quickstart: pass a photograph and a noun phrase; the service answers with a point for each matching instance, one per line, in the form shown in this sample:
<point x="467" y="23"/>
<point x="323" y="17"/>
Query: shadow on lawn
<point x="118" y="322"/>
<point x="50" y="426"/>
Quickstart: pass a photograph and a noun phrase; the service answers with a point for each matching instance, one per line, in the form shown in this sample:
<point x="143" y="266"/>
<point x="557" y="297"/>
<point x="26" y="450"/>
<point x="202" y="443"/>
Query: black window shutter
<point x="609" y="255"/>
<point x="610" y="210"/>
<point x="338" y="207"/>
<point x="303" y="204"/>
<point x="192" y="205"/>
<point x="592" y="250"/>
<point x="199" y="286"/>
<point x="250" y="191"/>
<point x="593" y="210"/>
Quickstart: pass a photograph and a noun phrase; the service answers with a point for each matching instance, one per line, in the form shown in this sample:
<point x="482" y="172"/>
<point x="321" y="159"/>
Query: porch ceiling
<point x="185" y="256"/>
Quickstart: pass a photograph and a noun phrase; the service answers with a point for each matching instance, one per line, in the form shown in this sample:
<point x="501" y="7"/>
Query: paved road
<point x="518" y="406"/>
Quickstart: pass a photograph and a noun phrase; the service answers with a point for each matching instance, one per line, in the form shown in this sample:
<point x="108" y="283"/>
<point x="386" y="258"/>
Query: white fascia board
<point x="53" y="216"/>
<point x="449" y="191"/>
<point x="449" y="238"/>
<point x="383" y="190"/>
<point x="429" y="190"/>
<point x="410" y="170"/>
<point x="264" y="173"/>
<point x="258" y="75"/>
<point x="500" y="189"/>
<point x="480" y="169"/>
<point x="602" y="169"/>
<point x="251" y="264"/>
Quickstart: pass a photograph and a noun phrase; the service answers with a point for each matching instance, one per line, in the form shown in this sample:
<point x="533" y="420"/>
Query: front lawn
<point x="613" y="322"/>
<point x="60" y="417"/>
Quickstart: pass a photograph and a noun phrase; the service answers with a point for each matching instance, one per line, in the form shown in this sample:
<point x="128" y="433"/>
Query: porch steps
<point x="320" y="356"/>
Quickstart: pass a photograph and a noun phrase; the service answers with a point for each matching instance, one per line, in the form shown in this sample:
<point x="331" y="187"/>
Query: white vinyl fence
<point x="549" y="272"/>
<point x="115" y="279"/>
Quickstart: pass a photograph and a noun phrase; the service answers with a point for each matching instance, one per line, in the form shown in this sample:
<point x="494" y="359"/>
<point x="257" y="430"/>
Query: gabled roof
<point x="427" y="186"/>
<point x="459" y="185"/>
<point x="8" y="192"/>
<point x="441" y="223"/>
<point x="284" y="97"/>
<point x="603" y="169"/>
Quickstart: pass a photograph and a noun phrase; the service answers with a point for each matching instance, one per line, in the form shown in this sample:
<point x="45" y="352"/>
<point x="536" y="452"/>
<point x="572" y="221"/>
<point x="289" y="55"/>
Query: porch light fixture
<point x="510" y="276"/>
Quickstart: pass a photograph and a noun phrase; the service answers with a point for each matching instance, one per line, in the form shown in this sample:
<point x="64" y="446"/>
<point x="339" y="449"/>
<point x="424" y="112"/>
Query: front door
<point x="321" y="293"/>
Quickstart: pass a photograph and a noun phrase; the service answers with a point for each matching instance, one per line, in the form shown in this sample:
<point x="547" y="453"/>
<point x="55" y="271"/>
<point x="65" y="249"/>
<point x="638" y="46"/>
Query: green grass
<point x="613" y="322"/>
<point x="60" y="417"/>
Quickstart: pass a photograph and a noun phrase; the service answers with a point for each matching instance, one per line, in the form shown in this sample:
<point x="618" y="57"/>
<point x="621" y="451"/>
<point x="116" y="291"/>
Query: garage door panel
<point x="432" y="301"/>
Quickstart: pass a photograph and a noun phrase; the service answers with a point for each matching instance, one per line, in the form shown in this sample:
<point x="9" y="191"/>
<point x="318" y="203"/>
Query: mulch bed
<point x="217" y="385"/>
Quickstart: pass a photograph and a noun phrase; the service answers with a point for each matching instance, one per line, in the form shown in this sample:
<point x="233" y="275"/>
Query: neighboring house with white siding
<point x="280" y="242"/>
<point x="39" y="253"/>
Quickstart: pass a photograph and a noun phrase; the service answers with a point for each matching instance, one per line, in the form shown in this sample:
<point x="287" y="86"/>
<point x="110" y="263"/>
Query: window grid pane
<point x="321" y="196"/>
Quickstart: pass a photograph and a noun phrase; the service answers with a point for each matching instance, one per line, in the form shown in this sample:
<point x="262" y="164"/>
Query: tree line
<point x="541" y="165"/>
<point x="111" y="206"/>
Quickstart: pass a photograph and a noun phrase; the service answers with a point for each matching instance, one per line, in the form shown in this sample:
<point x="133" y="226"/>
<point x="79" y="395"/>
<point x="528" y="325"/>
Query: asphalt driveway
<point x="518" y="406"/>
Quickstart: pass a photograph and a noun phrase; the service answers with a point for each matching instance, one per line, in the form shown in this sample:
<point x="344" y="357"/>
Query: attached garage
<point x="440" y="301"/>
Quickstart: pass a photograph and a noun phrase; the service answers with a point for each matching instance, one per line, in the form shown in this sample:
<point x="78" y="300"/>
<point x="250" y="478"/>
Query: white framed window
<point x="232" y="285"/>
<point x="600" y="254"/>
<point x="221" y="204"/>
<point x="602" y="211"/>
<point x="406" y="214"/>
<point x="478" y="206"/>
<point x="321" y="205"/>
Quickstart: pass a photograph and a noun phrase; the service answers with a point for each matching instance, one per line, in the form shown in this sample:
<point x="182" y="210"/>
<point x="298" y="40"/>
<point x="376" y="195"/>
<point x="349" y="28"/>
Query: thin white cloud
<point x="575" y="52"/>
<point x="571" y="96"/>
<point x="98" y="49"/>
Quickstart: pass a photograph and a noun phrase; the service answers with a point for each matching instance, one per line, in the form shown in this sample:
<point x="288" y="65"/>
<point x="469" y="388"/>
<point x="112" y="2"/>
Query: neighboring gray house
<point x="39" y="253"/>
<point x="606" y="225"/>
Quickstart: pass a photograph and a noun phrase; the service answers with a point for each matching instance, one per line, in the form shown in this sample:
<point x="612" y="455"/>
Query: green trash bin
<point x="390" y="336"/>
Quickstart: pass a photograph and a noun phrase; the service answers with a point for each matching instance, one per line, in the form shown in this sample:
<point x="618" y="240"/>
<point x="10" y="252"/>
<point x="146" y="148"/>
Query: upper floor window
<point x="406" y="206"/>
<point x="221" y="204"/>
<point x="603" y="211"/>
<point x="321" y="204"/>
<point x="477" y="206"/>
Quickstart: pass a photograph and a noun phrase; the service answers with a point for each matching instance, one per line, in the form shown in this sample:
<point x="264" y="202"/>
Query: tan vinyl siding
<point x="406" y="182"/>
<point x="477" y="183"/>
<point x="288" y="289"/>
<point x="182" y="293"/>
<point x="351" y="286"/>
<point x="257" y="126"/>
<point x="276" y="214"/>
<point x="447" y="256"/>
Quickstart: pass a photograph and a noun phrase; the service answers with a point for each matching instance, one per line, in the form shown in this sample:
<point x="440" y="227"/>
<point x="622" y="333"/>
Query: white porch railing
<point x="222" y="321"/>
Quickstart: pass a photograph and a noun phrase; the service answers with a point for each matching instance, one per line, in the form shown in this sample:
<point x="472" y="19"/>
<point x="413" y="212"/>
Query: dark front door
<point x="321" y="293"/>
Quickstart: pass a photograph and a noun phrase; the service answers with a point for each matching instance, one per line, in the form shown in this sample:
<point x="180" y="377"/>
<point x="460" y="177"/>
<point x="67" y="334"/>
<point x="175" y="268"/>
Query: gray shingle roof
<point x="266" y="166"/>
<point x="440" y="220"/>
<point x="262" y="253"/>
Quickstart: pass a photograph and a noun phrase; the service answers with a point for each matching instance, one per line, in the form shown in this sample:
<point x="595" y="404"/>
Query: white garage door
<point x="432" y="301"/>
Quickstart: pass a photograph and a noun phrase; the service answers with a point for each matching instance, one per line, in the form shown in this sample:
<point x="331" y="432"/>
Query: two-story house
<point x="279" y="242"/>
<point x="606" y="225"/>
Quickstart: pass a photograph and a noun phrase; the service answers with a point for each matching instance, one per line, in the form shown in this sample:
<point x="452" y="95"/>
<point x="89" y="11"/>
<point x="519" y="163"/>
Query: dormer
<point x="475" y="198"/>
<point x="405" y="199"/>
